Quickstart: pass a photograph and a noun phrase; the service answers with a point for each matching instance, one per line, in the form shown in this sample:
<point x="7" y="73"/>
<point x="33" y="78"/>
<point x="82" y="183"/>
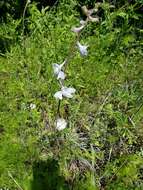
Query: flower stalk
<point x="60" y="69"/>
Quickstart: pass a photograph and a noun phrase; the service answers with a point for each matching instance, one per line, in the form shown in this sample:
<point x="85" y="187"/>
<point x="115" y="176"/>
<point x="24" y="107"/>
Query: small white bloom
<point x="32" y="106"/>
<point x="61" y="75"/>
<point x="77" y="29"/>
<point x="58" y="95"/>
<point x="86" y="11"/>
<point x="64" y="92"/>
<point x="93" y="19"/>
<point x="82" y="49"/>
<point x="61" y="124"/>
<point x="82" y="22"/>
<point x="68" y="92"/>
<point x="58" y="70"/>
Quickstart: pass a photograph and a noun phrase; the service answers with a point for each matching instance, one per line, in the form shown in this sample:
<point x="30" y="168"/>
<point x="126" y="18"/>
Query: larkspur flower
<point x="58" y="70"/>
<point x="93" y="19"/>
<point x="83" y="22"/>
<point x="58" y="95"/>
<point x="86" y="11"/>
<point x="82" y="49"/>
<point x="66" y="92"/>
<point x="77" y="29"/>
<point x="61" y="124"/>
<point x="61" y="75"/>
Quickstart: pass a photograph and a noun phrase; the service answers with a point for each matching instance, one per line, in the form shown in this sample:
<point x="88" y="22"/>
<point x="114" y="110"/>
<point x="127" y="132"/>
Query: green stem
<point x="23" y="24"/>
<point x="58" y="110"/>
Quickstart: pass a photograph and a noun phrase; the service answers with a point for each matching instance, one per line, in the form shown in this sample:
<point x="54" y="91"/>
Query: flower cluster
<point x="64" y="92"/>
<point x="89" y="12"/>
<point x="59" y="69"/>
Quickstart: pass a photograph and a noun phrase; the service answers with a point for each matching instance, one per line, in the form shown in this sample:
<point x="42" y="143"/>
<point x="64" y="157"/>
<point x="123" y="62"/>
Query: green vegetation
<point x="102" y="147"/>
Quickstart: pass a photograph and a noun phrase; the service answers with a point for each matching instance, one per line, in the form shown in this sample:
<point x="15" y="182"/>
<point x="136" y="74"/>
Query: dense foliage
<point x="102" y="148"/>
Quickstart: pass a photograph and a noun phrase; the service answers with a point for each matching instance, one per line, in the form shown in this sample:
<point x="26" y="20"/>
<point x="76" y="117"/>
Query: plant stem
<point x="23" y="24"/>
<point x="23" y="17"/>
<point x="58" y="110"/>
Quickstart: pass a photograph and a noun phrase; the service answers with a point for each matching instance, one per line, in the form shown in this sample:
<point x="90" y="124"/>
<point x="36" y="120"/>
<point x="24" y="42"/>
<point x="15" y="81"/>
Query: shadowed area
<point x="46" y="176"/>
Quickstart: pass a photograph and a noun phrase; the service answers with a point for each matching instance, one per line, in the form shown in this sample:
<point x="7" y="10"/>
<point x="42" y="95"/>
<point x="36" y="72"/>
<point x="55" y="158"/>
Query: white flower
<point x="86" y="11"/>
<point x="93" y="19"/>
<point x="61" y="75"/>
<point x="64" y="92"/>
<point x="82" y="22"/>
<point x="58" y="70"/>
<point x="58" y="95"/>
<point x="32" y="106"/>
<point x="61" y="124"/>
<point x="77" y="29"/>
<point x="82" y="49"/>
<point x="68" y="92"/>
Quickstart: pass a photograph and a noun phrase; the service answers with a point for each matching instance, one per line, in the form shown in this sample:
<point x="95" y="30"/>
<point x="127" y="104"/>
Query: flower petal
<point x="61" y="124"/>
<point x="56" y="68"/>
<point x="82" y="22"/>
<point x="68" y="92"/>
<point x="58" y="95"/>
<point x="82" y="49"/>
<point x="61" y="75"/>
<point x="77" y="29"/>
<point x="93" y="19"/>
<point x="71" y="90"/>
